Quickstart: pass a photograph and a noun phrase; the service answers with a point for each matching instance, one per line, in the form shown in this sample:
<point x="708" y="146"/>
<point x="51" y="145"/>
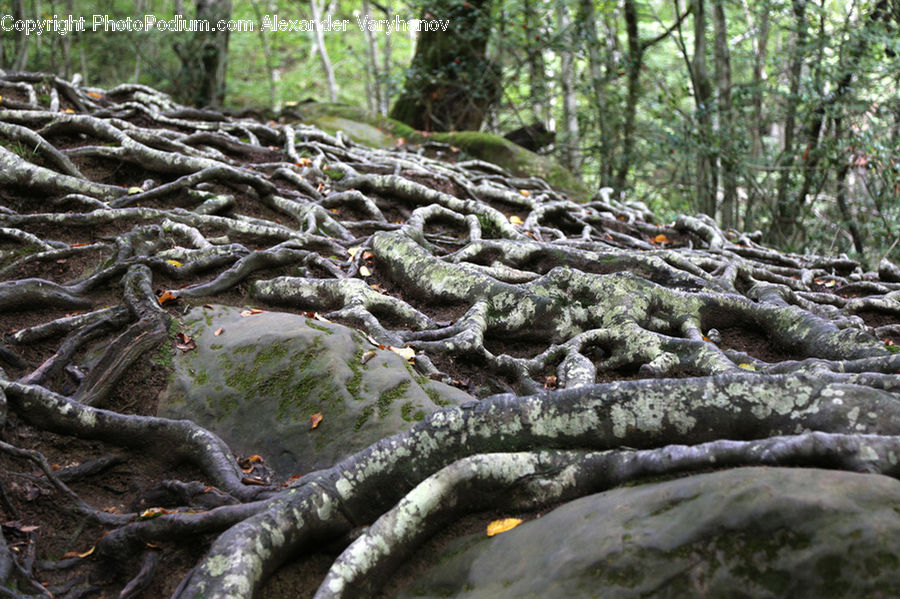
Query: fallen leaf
<point x="319" y="317"/>
<point x="175" y="263"/>
<point x="498" y="526"/>
<point x="516" y="220"/>
<point x="705" y="338"/>
<point x="401" y="141"/>
<point x="185" y="343"/>
<point x="251" y="311"/>
<point x="76" y="554"/>
<point x="148" y="514"/>
<point x="219" y="331"/>
<point x="550" y="382"/>
<point x="315" y="420"/>
<point x="367" y="356"/>
<point x="69" y="111"/>
<point x="364" y="271"/>
<point x="406" y="353"/>
<point x="660" y="239"/>
<point x="335" y="210"/>
<point x="253" y="481"/>
<point x="93" y="95"/>
<point x="166" y="296"/>
<point x="367" y="255"/>
<point x="747" y="366"/>
<point x="525" y="192"/>
<point x="78" y="245"/>
<point x="353" y="251"/>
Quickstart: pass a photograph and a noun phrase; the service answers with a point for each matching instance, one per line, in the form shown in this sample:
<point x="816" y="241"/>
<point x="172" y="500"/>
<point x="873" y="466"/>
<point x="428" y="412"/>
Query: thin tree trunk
<point x="633" y="71"/>
<point x="729" y="208"/>
<point x="705" y="177"/>
<point x="782" y="228"/>
<point x="373" y="77"/>
<point x="267" y="54"/>
<point x="386" y="65"/>
<point x="588" y="24"/>
<point x="841" y="194"/>
<point x="570" y="138"/>
<point x="323" y="52"/>
<point x="537" y="77"/>
<point x="20" y="61"/>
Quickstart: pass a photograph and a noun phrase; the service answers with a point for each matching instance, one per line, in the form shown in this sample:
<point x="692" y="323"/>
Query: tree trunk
<point x="203" y="56"/>
<point x="705" y="176"/>
<point x="267" y="54"/>
<point x="633" y="71"/>
<point x="373" y="77"/>
<point x="537" y="77"/>
<point x="728" y="153"/>
<point x="323" y="52"/>
<point x="451" y="83"/>
<point x="570" y="137"/>
<point x="588" y="25"/>
<point x="786" y="208"/>
<point x="20" y="59"/>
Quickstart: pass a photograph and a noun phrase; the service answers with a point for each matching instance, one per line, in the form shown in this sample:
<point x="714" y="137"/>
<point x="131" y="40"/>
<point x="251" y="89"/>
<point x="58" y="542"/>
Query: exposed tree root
<point x="603" y="348"/>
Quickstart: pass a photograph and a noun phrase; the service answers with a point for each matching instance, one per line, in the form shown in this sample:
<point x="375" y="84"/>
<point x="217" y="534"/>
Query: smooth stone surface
<point x="748" y="532"/>
<point x="259" y="382"/>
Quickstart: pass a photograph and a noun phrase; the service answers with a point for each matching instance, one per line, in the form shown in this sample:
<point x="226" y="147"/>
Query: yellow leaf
<point x="831" y="283"/>
<point x="315" y="420"/>
<point x="69" y="111"/>
<point x="94" y="95"/>
<point x="167" y="296"/>
<point x="516" y="220"/>
<point x="747" y="366"/>
<point x="353" y="251"/>
<point x="88" y="552"/>
<point x="134" y="190"/>
<point x="525" y="192"/>
<point x="705" y="338"/>
<point x="175" y="263"/>
<point x="660" y="239"/>
<point x="364" y="271"/>
<point x="153" y="512"/>
<point x="498" y="526"/>
<point x="406" y="353"/>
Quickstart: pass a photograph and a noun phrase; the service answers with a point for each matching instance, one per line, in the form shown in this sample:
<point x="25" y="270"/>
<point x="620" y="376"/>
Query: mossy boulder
<point x="376" y="130"/>
<point x="749" y="532"/>
<point x="360" y="125"/>
<point x="514" y="158"/>
<point x="259" y="381"/>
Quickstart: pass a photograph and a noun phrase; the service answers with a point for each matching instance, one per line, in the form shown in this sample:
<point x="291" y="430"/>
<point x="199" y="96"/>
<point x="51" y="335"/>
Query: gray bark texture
<point x="599" y="348"/>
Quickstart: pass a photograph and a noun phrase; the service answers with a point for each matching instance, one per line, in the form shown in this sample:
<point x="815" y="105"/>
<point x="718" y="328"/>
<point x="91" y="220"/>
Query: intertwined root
<point x="605" y="347"/>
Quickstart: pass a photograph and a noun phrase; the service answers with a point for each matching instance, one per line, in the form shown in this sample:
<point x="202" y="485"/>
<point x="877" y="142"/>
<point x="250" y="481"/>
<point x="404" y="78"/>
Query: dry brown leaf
<point x="367" y="356"/>
<point x="253" y="481"/>
<point x="219" y="331"/>
<point x="498" y="526"/>
<point x="367" y="255"/>
<point x="315" y="420"/>
<point x="251" y="312"/>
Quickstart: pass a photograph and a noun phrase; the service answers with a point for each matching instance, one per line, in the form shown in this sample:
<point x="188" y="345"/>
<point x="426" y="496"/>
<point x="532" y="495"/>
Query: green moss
<point x="216" y="346"/>
<point x="387" y="398"/>
<point x="356" y="366"/>
<point x="201" y="378"/>
<point x="313" y="325"/>
<point x="433" y="394"/>
<point x="334" y="175"/>
<point x="363" y="417"/>
<point x="165" y="355"/>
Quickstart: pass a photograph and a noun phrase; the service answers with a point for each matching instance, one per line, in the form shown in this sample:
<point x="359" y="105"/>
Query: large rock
<point x="751" y="532"/>
<point x="259" y="381"/>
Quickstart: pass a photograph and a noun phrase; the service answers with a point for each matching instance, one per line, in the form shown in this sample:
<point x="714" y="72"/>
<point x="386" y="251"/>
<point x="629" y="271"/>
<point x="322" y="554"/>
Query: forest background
<point x="781" y="117"/>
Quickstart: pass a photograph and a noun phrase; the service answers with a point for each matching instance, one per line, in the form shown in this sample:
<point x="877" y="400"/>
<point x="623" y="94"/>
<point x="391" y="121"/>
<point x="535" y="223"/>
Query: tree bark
<point x="204" y="56"/>
<point x="570" y="139"/>
<point x="705" y="177"/>
<point x="451" y="82"/>
<point x="323" y="51"/>
<point x="728" y="153"/>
